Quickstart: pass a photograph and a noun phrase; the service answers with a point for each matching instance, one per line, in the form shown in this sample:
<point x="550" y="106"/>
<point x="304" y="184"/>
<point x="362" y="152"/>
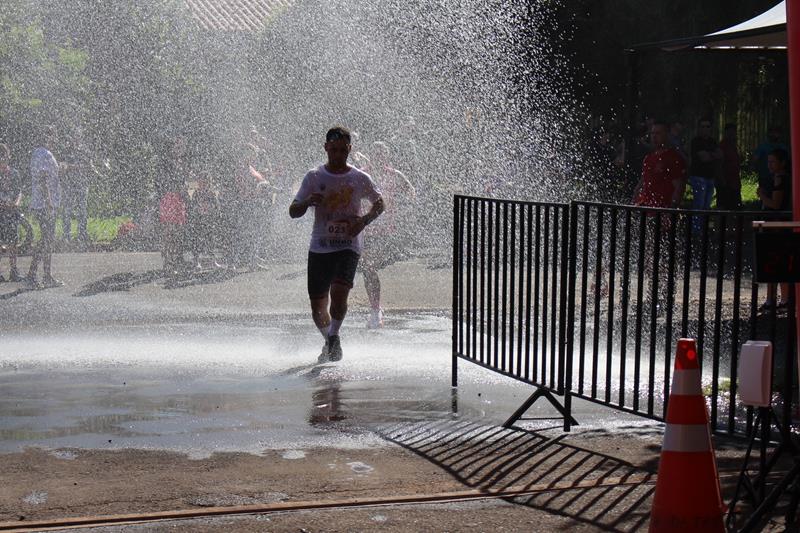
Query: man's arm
<point x="406" y="183"/>
<point x="637" y="190"/>
<point x="364" y="221"/>
<point x="298" y="208"/>
<point x="679" y="188"/>
<point x="679" y="183"/>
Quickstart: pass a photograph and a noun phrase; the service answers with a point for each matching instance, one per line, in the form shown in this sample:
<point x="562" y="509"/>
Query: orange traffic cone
<point x="687" y="495"/>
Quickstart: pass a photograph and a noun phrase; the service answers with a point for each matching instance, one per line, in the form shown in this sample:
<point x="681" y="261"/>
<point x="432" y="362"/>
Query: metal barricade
<point x="510" y="290"/>
<point x="588" y="300"/>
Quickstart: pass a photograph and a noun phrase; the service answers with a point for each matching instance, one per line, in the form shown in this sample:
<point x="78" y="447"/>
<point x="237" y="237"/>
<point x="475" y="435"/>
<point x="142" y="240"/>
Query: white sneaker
<point x="375" y="319"/>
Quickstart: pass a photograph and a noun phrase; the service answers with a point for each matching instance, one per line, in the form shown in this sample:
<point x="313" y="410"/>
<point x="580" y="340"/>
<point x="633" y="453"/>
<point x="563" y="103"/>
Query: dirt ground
<point x="418" y="459"/>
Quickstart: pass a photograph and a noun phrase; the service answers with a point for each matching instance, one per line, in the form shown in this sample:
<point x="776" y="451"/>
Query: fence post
<point x="456" y="284"/>
<point x="569" y="330"/>
<point x="562" y="299"/>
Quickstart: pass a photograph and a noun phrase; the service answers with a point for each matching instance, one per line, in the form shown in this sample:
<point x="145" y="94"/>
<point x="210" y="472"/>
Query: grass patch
<point x="99" y="229"/>
<point x="750" y="200"/>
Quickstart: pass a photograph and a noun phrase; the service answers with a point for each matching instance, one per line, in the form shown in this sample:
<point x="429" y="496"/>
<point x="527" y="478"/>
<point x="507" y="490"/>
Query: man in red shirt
<point x="663" y="172"/>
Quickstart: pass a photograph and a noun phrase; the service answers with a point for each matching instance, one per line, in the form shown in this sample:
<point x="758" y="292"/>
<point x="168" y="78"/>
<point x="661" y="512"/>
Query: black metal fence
<point x="509" y="288"/>
<point x="588" y="300"/>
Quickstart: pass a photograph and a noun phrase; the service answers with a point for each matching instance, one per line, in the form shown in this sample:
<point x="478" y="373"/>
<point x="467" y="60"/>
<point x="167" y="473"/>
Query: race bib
<point x="338" y="233"/>
<point x="338" y="228"/>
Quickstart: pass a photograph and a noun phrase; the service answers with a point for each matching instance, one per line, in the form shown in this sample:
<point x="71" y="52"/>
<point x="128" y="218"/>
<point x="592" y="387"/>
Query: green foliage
<point x="100" y="230"/>
<point x="118" y="79"/>
<point x="750" y="200"/>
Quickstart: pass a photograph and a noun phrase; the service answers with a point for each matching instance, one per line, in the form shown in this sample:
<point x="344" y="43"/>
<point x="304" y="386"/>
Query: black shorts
<point x="332" y="267"/>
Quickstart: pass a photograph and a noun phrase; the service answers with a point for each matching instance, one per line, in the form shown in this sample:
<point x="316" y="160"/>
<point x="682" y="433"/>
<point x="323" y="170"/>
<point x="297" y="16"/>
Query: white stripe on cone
<point x="686" y="383"/>
<point x="686" y="438"/>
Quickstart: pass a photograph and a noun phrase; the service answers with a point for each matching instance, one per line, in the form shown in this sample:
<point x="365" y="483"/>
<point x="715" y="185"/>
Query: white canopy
<point x="766" y="31"/>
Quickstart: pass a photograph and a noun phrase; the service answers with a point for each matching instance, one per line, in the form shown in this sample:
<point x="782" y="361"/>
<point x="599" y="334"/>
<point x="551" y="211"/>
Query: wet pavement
<point x="229" y="366"/>
<point x="151" y="396"/>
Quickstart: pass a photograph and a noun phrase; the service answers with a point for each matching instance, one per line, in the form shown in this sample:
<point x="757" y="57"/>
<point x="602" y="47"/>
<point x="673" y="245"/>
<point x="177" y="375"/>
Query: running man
<point x="387" y="241"/>
<point x="335" y="190"/>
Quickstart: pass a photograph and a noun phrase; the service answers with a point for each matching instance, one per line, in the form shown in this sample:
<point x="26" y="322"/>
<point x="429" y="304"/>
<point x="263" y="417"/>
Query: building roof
<point x="235" y="15"/>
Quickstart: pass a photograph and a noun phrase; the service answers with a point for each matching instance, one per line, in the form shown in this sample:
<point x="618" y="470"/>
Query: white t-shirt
<point x="42" y="161"/>
<point x="341" y="204"/>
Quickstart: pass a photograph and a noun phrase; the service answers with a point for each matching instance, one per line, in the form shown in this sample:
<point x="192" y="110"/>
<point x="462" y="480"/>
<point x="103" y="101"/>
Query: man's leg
<point x="372" y="284"/>
<point x="48" y="241"/>
<point x="339" y="293"/>
<point x="83" y="215"/>
<point x="320" y="315"/>
<point x="66" y="216"/>
<point x="38" y="249"/>
<point x="35" y="255"/>
<point x="698" y="199"/>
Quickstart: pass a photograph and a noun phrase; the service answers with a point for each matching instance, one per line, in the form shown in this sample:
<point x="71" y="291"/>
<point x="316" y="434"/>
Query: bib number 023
<point x="338" y="228"/>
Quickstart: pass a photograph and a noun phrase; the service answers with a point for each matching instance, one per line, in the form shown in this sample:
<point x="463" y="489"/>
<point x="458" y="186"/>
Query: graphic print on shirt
<point x="337" y="221"/>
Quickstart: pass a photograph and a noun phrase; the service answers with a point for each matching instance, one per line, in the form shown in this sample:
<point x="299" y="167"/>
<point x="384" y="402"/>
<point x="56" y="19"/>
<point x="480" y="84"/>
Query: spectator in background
<point x="389" y="239"/>
<point x="634" y="159"/>
<point x="172" y="216"/>
<point x="777" y="197"/>
<point x="729" y="186"/>
<point x="203" y="219"/>
<point x="75" y="168"/>
<point x="663" y="178"/>
<point x="704" y="154"/>
<point x="607" y="163"/>
<point x="676" y="139"/>
<point x="45" y="200"/>
<point x="761" y="154"/>
<point x="10" y="198"/>
<point x="172" y="206"/>
<point x="246" y="188"/>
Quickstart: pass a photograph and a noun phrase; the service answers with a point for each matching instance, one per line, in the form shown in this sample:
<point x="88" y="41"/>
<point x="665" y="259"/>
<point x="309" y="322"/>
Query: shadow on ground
<point x="126" y="281"/>
<point x="17" y="292"/>
<point x="496" y="458"/>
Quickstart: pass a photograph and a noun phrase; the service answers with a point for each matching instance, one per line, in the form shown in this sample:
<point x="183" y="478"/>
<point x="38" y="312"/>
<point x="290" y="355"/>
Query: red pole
<point x="793" y="43"/>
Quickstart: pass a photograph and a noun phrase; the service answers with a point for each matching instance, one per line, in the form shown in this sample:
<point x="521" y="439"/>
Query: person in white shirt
<point x="335" y="190"/>
<point x="45" y="200"/>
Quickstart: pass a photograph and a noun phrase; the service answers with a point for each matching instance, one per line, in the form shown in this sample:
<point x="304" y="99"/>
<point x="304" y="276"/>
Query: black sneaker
<point x="325" y="355"/>
<point x="31" y="283"/>
<point x="334" y="348"/>
<point x="14" y="276"/>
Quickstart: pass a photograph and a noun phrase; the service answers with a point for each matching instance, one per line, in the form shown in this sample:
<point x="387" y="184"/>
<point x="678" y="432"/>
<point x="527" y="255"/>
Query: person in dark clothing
<point x="761" y="154"/>
<point x="705" y="154"/>
<point x="203" y="220"/>
<point x="729" y="186"/>
<point x="10" y="197"/>
<point x="777" y="197"/>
